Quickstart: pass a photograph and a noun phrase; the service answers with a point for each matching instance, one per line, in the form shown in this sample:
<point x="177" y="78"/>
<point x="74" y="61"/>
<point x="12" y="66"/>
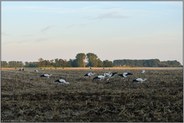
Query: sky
<point x="111" y="30"/>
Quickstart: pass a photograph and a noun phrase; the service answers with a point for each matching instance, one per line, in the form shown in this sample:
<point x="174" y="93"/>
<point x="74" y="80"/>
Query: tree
<point x="80" y="59"/>
<point x="51" y="62"/>
<point x="92" y="60"/>
<point x="72" y="63"/>
<point x="12" y="63"/>
<point x="107" y="63"/>
<point x="56" y="63"/>
<point x="19" y="64"/>
<point x="47" y="63"/>
<point x="31" y="64"/>
<point x="40" y="62"/>
<point x="62" y="63"/>
<point x="170" y="64"/>
<point x="44" y="63"/>
<point x="138" y="63"/>
<point x="15" y="64"/>
<point x="4" y="64"/>
<point x="100" y="63"/>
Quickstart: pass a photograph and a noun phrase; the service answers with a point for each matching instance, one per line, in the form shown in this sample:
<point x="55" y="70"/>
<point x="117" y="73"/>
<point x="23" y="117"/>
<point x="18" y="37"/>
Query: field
<point x="27" y="97"/>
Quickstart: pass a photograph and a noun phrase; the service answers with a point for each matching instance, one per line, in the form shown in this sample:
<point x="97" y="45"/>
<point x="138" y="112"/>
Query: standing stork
<point x="143" y="71"/>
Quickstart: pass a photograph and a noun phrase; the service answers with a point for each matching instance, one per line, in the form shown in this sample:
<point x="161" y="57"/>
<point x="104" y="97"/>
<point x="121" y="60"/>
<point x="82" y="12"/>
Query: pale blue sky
<point x="112" y="30"/>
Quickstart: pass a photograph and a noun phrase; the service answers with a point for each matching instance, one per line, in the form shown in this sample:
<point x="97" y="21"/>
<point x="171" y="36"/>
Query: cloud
<point x="110" y="15"/>
<point x="90" y="9"/>
<point x="28" y="35"/>
<point x="79" y="25"/>
<point x="46" y="9"/>
<point x="45" y="29"/>
<point x="5" y="34"/>
<point x="71" y="26"/>
<point x="41" y="39"/>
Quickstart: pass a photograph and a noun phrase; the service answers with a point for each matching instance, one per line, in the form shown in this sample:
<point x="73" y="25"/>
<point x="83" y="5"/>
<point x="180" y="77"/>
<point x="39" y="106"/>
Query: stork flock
<point x="109" y="75"/>
<point x="106" y="76"/>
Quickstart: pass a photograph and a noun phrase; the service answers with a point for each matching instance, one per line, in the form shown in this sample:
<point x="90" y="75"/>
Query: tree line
<point x="91" y="60"/>
<point x="146" y="63"/>
<point x="81" y="60"/>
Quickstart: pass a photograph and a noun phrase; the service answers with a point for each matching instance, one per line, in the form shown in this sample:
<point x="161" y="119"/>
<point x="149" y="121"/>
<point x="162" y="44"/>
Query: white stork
<point x="99" y="77"/>
<point x="46" y="75"/>
<point x="36" y="71"/>
<point x="109" y="74"/>
<point x="125" y="74"/>
<point x="139" y="80"/>
<point x="89" y="74"/>
<point x="62" y="81"/>
<point x="143" y="71"/>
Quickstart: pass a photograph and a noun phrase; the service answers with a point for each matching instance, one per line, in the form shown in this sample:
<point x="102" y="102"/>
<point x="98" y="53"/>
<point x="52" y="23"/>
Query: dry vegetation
<point x="27" y="97"/>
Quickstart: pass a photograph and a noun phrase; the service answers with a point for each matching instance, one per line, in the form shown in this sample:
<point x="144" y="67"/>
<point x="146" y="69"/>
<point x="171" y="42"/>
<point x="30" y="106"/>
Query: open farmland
<point x="27" y="97"/>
